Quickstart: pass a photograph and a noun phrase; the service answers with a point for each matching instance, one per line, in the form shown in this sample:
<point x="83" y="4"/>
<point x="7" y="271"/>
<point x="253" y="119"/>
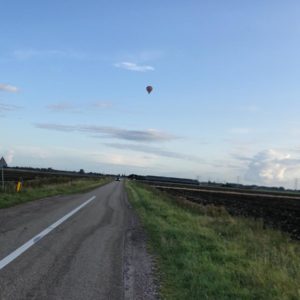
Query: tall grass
<point x="204" y="253"/>
<point x="48" y="188"/>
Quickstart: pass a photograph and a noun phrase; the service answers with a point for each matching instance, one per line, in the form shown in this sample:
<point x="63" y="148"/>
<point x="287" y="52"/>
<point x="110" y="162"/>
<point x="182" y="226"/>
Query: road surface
<point x="69" y="247"/>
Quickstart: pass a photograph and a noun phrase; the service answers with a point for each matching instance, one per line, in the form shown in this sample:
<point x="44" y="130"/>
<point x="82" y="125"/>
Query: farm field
<point x="220" y="188"/>
<point x="46" y="187"/>
<point x="14" y="174"/>
<point x="277" y="210"/>
<point x="203" y="252"/>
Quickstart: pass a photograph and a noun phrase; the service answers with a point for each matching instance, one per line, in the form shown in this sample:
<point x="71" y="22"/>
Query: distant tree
<point x="81" y="171"/>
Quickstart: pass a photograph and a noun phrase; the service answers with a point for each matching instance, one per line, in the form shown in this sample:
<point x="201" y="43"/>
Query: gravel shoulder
<point x="139" y="265"/>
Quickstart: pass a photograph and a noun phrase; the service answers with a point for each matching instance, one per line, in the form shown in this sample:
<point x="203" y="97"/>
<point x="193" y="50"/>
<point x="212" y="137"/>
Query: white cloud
<point x="271" y="167"/>
<point x="77" y="108"/>
<point x="8" y="88"/>
<point x="147" y="135"/>
<point x="125" y="160"/>
<point x="134" y="67"/>
<point x="156" y="151"/>
<point x="33" y="152"/>
<point x="70" y="158"/>
<point x="9" y="156"/>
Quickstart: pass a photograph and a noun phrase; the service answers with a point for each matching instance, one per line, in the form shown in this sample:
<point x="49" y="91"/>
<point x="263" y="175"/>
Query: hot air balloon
<point x="149" y="89"/>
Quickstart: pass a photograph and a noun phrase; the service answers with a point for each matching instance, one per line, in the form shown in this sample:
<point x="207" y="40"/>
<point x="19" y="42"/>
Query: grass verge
<point x="33" y="193"/>
<point x="204" y="253"/>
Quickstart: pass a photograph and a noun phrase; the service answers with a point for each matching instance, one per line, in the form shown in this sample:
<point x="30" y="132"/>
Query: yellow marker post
<point x="19" y="186"/>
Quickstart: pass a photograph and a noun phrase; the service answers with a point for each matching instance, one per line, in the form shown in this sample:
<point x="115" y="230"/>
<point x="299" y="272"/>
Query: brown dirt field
<point x="278" y="211"/>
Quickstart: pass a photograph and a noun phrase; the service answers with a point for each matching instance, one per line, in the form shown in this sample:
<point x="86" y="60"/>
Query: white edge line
<point x="9" y="258"/>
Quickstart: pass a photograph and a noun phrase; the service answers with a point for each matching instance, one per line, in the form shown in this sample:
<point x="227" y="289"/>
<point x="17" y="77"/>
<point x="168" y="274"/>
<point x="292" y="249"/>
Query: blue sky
<point x="225" y="74"/>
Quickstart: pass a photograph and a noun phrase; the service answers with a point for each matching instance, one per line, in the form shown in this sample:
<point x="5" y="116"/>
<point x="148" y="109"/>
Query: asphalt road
<point x="81" y="258"/>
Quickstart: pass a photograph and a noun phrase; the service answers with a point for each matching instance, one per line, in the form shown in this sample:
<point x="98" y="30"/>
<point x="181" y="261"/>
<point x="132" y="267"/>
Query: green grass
<point x="204" y="253"/>
<point x="46" y="190"/>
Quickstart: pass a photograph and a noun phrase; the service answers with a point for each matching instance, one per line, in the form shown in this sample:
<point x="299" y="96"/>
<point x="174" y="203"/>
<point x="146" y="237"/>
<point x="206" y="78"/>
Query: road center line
<point x="9" y="258"/>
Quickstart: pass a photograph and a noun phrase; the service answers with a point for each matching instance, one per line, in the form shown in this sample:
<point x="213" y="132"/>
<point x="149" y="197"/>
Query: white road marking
<point x="9" y="258"/>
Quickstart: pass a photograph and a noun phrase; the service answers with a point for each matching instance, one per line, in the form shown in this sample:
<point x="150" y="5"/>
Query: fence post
<point x="2" y="179"/>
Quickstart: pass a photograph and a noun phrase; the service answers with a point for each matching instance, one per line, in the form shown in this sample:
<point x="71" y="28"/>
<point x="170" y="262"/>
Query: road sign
<point x="3" y="163"/>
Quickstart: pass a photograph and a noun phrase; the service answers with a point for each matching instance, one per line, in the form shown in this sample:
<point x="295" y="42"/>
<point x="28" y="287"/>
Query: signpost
<point x="3" y="165"/>
<point x="2" y="178"/>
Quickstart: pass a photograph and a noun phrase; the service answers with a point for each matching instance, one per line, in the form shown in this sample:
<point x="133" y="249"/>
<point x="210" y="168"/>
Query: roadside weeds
<point x="205" y="253"/>
<point x="47" y="190"/>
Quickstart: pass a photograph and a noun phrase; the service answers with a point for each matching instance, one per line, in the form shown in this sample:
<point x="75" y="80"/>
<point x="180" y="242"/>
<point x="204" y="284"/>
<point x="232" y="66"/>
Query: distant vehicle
<point x="117" y="178"/>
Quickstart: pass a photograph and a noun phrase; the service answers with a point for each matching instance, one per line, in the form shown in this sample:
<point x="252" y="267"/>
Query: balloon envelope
<point x="149" y="89"/>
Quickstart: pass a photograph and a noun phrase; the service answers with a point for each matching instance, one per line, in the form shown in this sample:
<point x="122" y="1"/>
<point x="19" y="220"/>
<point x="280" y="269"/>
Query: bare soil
<point x="277" y="211"/>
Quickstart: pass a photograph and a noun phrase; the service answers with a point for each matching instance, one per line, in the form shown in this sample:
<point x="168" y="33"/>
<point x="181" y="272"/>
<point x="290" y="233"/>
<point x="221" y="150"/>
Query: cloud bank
<point x="155" y="151"/>
<point x="8" y="88"/>
<point x="148" y="135"/>
<point x="78" y="108"/>
<point x="270" y="167"/>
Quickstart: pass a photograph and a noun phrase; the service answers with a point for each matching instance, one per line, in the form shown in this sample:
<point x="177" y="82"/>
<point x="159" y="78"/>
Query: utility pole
<point x="2" y="179"/>
<point x="296" y="184"/>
